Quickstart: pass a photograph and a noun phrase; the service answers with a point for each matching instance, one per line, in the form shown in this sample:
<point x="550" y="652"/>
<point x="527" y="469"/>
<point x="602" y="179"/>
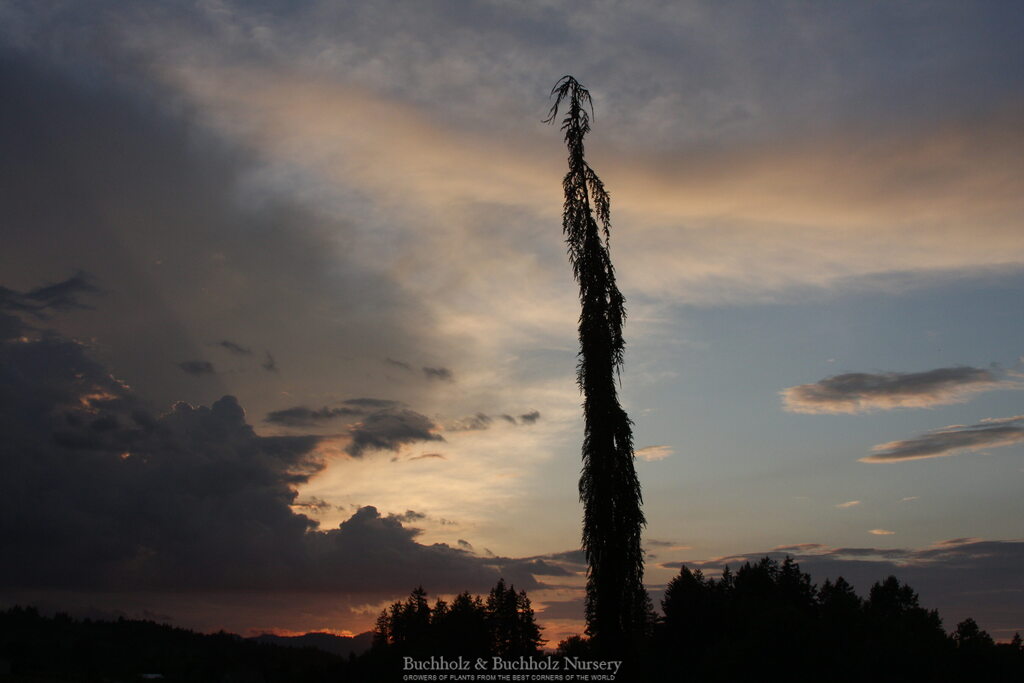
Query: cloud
<point x="382" y="546"/>
<point x="234" y="348"/>
<point x="881" y="532"/>
<point x="443" y="374"/>
<point x="408" y="516"/>
<point x="389" y="430"/>
<point x="372" y="403"/>
<point x="482" y="421"/>
<point x="197" y="367"/>
<point x="848" y="504"/>
<point x="795" y="548"/>
<point x="269" y="364"/>
<point x="98" y="493"/>
<point x="427" y="456"/>
<point x="530" y="417"/>
<point x="689" y="207"/>
<point x="399" y="364"/>
<point x="313" y="505"/>
<point x="382" y="424"/>
<point x="301" y="416"/>
<point x="653" y="453"/>
<point x="989" y="433"/>
<point x="521" y="572"/>
<point x="238" y="256"/>
<point x="472" y="423"/>
<point x="60" y="296"/>
<point x="862" y="392"/>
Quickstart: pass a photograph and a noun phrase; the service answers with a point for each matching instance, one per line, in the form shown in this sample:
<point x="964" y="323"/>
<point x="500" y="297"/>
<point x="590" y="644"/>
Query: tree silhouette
<point x="609" y="488"/>
<point x="503" y="625"/>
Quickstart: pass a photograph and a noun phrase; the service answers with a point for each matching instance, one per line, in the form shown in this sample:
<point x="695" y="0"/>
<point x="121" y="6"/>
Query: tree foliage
<point x="609" y="487"/>
<point x="502" y="625"/>
<point x="769" y="615"/>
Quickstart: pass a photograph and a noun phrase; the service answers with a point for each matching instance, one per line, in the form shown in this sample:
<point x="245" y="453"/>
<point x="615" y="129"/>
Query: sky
<point x="288" y="326"/>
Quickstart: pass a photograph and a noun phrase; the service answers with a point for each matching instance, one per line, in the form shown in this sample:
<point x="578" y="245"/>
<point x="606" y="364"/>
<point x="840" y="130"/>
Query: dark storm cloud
<point x="961" y="577"/>
<point x="121" y="487"/>
<point x="378" y="553"/>
<point x="99" y="493"/>
<point x="989" y="433"/>
<point x="862" y="392"/>
<point x="60" y="296"/>
<point x="234" y="347"/>
<point x="443" y="374"/>
<point x="389" y="430"/>
<point x="109" y="169"/>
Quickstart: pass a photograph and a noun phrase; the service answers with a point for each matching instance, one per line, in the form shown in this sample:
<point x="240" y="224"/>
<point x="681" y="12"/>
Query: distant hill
<point x="328" y="642"/>
<point x="43" y="649"/>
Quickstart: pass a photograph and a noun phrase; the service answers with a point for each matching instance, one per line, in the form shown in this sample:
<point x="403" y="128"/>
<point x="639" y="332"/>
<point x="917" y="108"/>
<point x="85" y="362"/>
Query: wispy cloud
<point x="837" y="225"/>
<point x="41" y="301"/>
<point x="881" y="532"/>
<point x="652" y="453"/>
<point x="197" y="367"/>
<point x="428" y="456"/>
<point x="234" y="347"/>
<point x="848" y="504"/>
<point x="861" y="392"/>
<point x="439" y="373"/>
<point x="269" y="364"/>
<point x="989" y="433"/>
<point x="470" y="423"/>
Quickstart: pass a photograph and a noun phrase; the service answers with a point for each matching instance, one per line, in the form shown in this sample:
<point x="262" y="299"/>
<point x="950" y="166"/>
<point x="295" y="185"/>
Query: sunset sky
<point x="288" y="326"/>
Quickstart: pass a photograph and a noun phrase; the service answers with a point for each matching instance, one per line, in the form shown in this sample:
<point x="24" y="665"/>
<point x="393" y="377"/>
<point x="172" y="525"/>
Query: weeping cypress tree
<point x="609" y="489"/>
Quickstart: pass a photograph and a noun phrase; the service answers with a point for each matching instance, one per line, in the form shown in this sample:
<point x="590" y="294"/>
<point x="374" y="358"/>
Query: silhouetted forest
<point x="500" y="625"/>
<point x="770" y="617"/>
<point x="766" y="618"/>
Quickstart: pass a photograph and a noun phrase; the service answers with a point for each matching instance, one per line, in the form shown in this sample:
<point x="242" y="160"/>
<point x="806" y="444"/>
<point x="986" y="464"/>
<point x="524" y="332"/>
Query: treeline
<point x="502" y="624"/>
<point x="770" y="616"/>
<point x="37" y="648"/>
<point x="766" y="618"/>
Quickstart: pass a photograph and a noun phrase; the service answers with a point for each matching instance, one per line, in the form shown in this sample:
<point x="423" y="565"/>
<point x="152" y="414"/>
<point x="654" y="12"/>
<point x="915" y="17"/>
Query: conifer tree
<point x="609" y="487"/>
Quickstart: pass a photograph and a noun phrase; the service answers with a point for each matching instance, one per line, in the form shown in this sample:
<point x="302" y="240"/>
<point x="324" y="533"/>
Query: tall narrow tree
<point x="609" y="487"/>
